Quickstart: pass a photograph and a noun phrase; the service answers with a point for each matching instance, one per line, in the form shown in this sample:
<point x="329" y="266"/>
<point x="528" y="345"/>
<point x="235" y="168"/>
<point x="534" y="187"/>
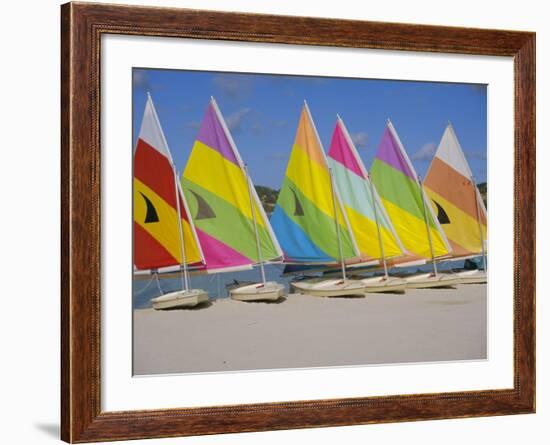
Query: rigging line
<point x="156" y="277"/>
<point x="139" y="292"/>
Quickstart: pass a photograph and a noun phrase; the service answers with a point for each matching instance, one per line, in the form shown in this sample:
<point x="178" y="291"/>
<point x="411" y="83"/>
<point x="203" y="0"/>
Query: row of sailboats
<point x="330" y="213"/>
<point x="210" y="222"/>
<point x="371" y="226"/>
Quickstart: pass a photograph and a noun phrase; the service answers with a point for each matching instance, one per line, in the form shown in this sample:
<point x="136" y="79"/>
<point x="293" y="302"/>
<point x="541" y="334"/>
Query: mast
<point x="258" y="246"/>
<point x="183" y="265"/>
<point x="340" y="251"/>
<point x="479" y="225"/>
<point x="427" y="223"/>
<point x="380" y="243"/>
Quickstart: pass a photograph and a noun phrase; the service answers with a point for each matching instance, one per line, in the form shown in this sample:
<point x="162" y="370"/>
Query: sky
<point x="262" y="113"/>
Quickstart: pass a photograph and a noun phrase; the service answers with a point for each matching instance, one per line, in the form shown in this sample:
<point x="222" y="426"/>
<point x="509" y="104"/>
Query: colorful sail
<point x="157" y="240"/>
<point x="397" y="184"/>
<point x="357" y="194"/>
<point x="456" y="200"/>
<point x="215" y="185"/>
<point x="303" y="218"/>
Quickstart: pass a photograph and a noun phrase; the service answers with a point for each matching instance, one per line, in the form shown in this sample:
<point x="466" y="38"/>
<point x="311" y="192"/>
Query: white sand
<point x="303" y="331"/>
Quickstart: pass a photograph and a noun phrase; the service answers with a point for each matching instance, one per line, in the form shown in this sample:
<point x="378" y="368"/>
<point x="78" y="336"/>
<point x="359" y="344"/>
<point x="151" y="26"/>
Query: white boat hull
<point x="321" y="287"/>
<point x="383" y="284"/>
<point x="429" y="280"/>
<point x="472" y="276"/>
<point x="269" y="291"/>
<point x="180" y="299"/>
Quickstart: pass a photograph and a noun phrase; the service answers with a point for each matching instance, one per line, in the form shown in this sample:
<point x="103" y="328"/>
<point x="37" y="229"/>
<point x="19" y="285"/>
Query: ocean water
<point x="146" y="289"/>
<point x="214" y="284"/>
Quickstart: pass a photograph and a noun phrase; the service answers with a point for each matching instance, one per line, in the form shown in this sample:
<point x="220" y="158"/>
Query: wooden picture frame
<point x="82" y="26"/>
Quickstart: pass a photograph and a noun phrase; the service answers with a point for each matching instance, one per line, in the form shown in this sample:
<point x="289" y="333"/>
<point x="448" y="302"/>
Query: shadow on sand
<point x="344" y="297"/>
<point x="198" y="307"/>
<point x="277" y="301"/>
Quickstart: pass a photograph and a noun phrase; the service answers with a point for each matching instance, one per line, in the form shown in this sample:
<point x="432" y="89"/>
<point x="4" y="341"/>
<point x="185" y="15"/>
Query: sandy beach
<point x="303" y="331"/>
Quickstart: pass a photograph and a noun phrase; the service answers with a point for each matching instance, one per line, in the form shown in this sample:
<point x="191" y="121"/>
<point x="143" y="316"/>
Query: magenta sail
<point x="220" y="255"/>
<point x="339" y="152"/>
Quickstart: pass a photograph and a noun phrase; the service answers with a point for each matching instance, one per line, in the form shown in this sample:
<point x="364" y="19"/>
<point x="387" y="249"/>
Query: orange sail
<point x="455" y="198"/>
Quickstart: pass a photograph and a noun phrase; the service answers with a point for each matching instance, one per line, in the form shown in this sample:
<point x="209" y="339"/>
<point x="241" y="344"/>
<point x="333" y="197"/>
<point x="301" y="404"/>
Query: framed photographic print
<point x="274" y="222"/>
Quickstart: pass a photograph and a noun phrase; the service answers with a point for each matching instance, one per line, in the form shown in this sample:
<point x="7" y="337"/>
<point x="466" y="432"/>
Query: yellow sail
<point x="304" y="217"/>
<point x="397" y="184"/>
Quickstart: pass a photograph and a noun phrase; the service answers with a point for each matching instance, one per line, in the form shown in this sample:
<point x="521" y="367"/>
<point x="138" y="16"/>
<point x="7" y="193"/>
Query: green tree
<point x="268" y="197"/>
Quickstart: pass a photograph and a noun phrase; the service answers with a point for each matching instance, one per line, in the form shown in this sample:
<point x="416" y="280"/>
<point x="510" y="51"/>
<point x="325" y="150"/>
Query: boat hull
<point x="473" y="276"/>
<point x="180" y="299"/>
<point x="329" y="288"/>
<point x="383" y="284"/>
<point x="269" y="291"/>
<point x="428" y="280"/>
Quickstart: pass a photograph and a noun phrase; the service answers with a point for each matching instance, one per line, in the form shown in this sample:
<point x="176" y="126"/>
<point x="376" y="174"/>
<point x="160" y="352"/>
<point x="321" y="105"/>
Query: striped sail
<point x="303" y="218"/>
<point x="157" y="241"/>
<point x="216" y="188"/>
<point x="357" y="193"/>
<point x="397" y="184"/>
<point x="455" y="198"/>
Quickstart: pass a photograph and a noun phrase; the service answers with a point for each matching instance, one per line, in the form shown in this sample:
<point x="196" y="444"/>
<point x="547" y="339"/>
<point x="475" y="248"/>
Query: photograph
<point x="296" y="222"/>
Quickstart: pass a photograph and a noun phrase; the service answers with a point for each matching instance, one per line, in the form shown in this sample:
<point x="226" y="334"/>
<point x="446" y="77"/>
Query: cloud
<point x="257" y="128"/>
<point x="234" y="120"/>
<point x="193" y="125"/>
<point x="360" y="139"/>
<point x="233" y="86"/>
<point x="426" y="152"/>
<point x="140" y="80"/>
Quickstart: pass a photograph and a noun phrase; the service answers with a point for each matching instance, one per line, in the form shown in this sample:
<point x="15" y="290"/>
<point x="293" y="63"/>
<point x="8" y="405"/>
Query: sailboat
<point x="372" y="229"/>
<point x="231" y="224"/>
<point x="164" y="235"/>
<point x="308" y="218"/>
<point x="404" y="199"/>
<point x="450" y="185"/>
